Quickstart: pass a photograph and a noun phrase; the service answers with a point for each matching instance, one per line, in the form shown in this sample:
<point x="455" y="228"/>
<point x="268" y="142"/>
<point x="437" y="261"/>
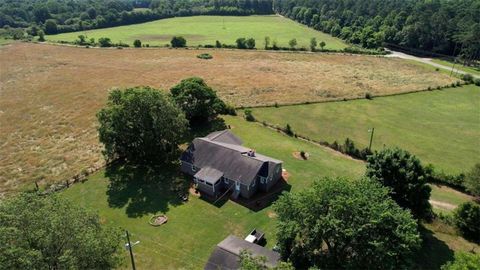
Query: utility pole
<point x="371" y="139"/>
<point x="130" y="249"/>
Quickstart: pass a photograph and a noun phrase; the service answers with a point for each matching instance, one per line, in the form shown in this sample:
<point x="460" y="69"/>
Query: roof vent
<point x="251" y="153"/>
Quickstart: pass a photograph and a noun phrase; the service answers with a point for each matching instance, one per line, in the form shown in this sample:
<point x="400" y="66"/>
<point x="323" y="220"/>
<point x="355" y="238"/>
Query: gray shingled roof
<point x="224" y="136"/>
<point x="227" y="254"/>
<point x="215" y="152"/>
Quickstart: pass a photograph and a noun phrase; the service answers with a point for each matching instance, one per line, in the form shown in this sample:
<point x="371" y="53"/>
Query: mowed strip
<point x="206" y="30"/>
<point x="50" y="94"/>
<point x="440" y="127"/>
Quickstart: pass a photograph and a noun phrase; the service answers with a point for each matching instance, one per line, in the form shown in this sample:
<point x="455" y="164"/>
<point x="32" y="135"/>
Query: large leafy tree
<point x="339" y="223"/>
<point x="405" y="176"/>
<point x="141" y="125"/>
<point x="47" y="232"/>
<point x="198" y="100"/>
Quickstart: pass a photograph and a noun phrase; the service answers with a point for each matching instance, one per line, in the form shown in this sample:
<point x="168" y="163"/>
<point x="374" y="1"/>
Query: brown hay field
<point x="49" y="94"/>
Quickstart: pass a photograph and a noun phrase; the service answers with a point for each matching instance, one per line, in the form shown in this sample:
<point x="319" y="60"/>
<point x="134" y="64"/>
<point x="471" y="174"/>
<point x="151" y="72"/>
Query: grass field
<point x="440" y="127"/>
<point x="50" y="94"/>
<point x="202" y="30"/>
<point x="194" y="228"/>
<point x="470" y="70"/>
<point x="445" y="199"/>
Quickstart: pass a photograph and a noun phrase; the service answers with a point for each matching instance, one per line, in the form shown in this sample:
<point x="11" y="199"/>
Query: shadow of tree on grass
<point x="145" y="190"/>
<point x="434" y="252"/>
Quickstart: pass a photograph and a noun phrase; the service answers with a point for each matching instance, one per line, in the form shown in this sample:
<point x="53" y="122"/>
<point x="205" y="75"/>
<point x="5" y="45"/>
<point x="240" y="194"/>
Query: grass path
<point x="440" y="127"/>
<point x="202" y="30"/>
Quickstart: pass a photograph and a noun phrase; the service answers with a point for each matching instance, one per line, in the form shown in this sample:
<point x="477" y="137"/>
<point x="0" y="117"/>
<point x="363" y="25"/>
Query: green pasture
<point x="441" y="127"/>
<point x="202" y="30"/>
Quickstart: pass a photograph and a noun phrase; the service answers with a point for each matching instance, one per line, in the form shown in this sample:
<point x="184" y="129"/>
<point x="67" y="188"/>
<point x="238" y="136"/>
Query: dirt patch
<point x="298" y="155"/>
<point x="272" y="214"/>
<point x="49" y="94"/>
<point x="194" y="192"/>
<point x="442" y="205"/>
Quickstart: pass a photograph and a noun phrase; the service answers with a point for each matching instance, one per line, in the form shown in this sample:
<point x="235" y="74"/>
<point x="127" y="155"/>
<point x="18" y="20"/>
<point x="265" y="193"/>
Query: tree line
<point x="57" y="16"/>
<point x="441" y="26"/>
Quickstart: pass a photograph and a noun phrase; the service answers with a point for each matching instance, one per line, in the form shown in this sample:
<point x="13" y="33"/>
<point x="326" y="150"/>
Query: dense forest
<point x="56" y="16"/>
<point x="442" y="26"/>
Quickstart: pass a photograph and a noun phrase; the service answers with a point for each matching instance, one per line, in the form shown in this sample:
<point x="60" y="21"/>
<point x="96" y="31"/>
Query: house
<point x="219" y="162"/>
<point x="226" y="254"/>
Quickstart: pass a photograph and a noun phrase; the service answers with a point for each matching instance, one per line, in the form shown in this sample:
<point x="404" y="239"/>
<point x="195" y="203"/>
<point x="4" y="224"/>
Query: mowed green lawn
<point x="195" y="227"/>
<point x="202" y="30"/>
<point x="440" y="127"/>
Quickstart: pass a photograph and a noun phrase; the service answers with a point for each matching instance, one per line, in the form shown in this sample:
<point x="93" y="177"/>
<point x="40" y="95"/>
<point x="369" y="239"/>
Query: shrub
<point x="303" y="154"/>
<point x="276" y="105"/>
<point x="249" y="115"/>
<point x="472" y="180"/>
<point x="275" y="45"/>
<point x="288" y="130"/>
<point x="205" y="56"/>
<point x="230" y="110"/>
<point x="468" y="78"/>
<point x="178" y="42"/>
<point x="250" y="43"/>
<point x="477" y="82"/>
<point x="218" y="44"/>
<point x="292" y="43"/>
<point x="105" y="42"/>
<point x="437" y="69"/>
<point x="468" y="219"/>
<point x="41" y="36"/>
<point x="137" y="43"/>
<point x="241" y="43"/>
<point x="368" y="95"/>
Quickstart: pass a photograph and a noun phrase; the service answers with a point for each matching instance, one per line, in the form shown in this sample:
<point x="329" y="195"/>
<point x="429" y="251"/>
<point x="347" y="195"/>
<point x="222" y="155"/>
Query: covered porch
<point x="208" y="180"/>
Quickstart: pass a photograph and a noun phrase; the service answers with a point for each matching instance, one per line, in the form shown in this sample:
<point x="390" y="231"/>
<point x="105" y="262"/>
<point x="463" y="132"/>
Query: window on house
<point x="225" y="180"/>
<point x="209" y="184"/>
<point x="194" y="169"/>
<point x="254" y="182"/>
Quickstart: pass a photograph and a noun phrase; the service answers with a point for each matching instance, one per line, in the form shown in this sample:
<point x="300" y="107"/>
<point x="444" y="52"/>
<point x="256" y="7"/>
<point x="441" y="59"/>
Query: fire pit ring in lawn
<point x="158" y="220"/>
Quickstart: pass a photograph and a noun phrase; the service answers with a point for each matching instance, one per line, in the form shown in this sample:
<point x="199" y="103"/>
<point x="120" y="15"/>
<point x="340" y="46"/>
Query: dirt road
<point x="426" y="61"/>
